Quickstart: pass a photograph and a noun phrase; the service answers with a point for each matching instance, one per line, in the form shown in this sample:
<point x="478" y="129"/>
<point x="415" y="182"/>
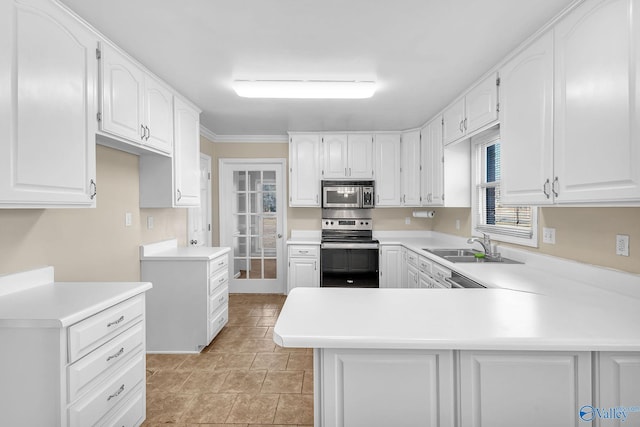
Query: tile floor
<point x="241" y="379"/>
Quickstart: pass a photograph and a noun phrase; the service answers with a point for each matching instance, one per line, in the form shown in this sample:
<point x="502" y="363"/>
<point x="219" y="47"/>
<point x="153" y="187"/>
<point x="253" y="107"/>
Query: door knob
<point x="279" y="236"/>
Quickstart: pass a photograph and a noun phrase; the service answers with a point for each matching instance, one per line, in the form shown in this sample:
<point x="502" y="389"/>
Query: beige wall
<point x="582" y="234"/>
<point x="89" y="244"/>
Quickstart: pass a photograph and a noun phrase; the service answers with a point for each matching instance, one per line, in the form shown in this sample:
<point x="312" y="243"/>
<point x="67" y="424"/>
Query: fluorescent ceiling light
<point x="304" y="89"/>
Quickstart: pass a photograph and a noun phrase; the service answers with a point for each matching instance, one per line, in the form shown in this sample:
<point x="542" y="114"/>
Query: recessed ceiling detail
<point x="304" y="89"/>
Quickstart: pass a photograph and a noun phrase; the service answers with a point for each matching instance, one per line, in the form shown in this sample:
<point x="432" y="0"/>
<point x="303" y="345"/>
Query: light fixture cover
<point x="336" y="89"/>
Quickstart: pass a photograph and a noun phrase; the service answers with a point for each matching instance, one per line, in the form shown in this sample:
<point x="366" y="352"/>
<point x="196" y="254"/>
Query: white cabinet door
<point x="454" y="117"/>
<point x="122" y="96"/>
<point x="334" y="149"/>
<point x="158" y="116"/>
<point x="526" y="125"/>
<point x="618" y="386"/>
<point x="432" y="160"/>
<point x="597" y="108"/>
<point x="304" y="170"/>
<point x="390" y="266"/>
<point x="376" y="388"/>
<point x="481" y="104"/>
<point x="47" y="107"/>
<point x="303" y="272"/>
<point x="504" y="389"/>
<point x="410" y="168"/>
<point x="387" y="169"/>
<point x="413" y="277"/>
<point x="186" y="156"/>
<point x="360" y="155"/>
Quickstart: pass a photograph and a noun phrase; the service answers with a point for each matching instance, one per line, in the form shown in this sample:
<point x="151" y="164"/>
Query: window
<point x="513" y="224"/>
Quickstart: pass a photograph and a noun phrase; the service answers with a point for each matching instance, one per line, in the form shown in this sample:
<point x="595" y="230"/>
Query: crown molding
<point x="239" y="139"/>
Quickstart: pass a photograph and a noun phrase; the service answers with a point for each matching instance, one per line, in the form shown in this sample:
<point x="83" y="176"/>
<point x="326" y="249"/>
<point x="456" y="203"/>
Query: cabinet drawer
<point x="219" y="299"/>
<point x="90" y="333"/>
<point x="131" y="414"/>
<point x="303" y="250"/>
<point x="90" y="409"/>
<point x="440" y="273"/>
<point x="106" y="358"/>
<point x="215" y="282"/>
<point x="218" y="264"/>
<point x="217" y="323"/>
<point x="412" y="258"/>
<point x="424" y="265"/>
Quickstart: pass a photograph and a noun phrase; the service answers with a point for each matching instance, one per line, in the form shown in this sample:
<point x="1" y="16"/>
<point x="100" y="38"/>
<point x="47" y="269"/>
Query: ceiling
<point x="422" y="53"/>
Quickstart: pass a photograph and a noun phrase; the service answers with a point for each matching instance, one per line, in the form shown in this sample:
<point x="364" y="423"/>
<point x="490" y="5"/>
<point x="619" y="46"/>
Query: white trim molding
<point x="238" y="139"/>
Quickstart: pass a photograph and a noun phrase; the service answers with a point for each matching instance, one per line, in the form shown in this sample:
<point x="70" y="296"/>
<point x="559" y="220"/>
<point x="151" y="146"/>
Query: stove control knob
<point x="331" y="222"/>
<point x="326" y="223"/>
<point x="361" y="223"/>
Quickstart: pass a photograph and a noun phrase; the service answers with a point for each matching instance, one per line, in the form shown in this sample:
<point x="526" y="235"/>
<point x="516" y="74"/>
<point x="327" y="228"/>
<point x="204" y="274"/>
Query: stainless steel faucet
<point x="485" y="242"/>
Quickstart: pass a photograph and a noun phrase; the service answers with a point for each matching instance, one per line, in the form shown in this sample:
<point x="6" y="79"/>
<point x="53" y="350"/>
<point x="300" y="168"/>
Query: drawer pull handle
<point x="113" y="356"/>
<point x="221" y="320"/>
<point x="115" y="322"/>
<point x="304" y="252"/>
<point x="117" y="393"/>
<point x="221" y="280"/>
<point x="221" y="263"/>
<point x="221" y="299"/>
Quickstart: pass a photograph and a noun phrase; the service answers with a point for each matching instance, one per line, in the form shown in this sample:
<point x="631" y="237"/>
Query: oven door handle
<point x="349" y="246"/>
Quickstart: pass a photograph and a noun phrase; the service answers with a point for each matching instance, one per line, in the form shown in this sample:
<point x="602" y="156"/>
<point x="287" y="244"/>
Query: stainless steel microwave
<point x="348" y="194"/>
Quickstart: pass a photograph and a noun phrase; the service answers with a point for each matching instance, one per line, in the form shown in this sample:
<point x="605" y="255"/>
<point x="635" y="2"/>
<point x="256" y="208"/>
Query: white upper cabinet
<point x="167" y="182"/>
<point x="410" y="168"/>
<point x="473" y="112"/>
<point x="158" y="102"/>
<point x="135" y="106"/>
<point x="347" y="156"/>
<point x="432" y="160"/>
<point x="597" y="103"/>
<point x="526" y="124"/>
<point x="47" y="107"/>
<point x="304" y="170"/>
<point x="186" y="155"/>
<point x="387" y="169"/>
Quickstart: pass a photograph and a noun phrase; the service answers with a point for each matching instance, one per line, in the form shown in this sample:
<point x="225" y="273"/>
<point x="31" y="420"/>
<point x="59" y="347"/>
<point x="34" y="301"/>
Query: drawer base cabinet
<point x="73" y="354"/>
<point x="376" y="388"/>
<point x="188" y="305"/>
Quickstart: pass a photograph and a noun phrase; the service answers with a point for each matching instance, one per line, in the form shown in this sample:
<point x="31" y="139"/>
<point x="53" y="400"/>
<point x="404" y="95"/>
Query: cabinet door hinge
<point x="99" y="117"/>
<point x="498" y="107"/>
<point x="208" y="227"/>
<point x="497" y="81"/>
<point x="98" y="54"/>
<point x="209" y="176"/>
<point x="442" y="121"/>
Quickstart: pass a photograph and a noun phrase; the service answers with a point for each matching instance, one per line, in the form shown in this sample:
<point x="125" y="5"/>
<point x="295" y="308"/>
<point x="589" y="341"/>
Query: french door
<point x="253" y="222"/>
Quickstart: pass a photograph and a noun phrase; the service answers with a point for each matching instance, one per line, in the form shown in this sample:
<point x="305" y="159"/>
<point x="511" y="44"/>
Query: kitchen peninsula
<point x="534" y="348"/>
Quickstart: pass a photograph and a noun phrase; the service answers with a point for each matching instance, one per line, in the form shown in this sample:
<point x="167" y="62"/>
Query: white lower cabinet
<point x="381" y="388"/>
<point x="73" y="354"/>
<point x="390" y="266"/>
<point x="189" y="302"/>
<point x="523" y="388"/>
<point x="618" y="386"/>
<point x="304" y="266"/>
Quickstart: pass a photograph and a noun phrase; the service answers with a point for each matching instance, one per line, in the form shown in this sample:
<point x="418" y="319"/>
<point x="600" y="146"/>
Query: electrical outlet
<point x="407" y="220"/>
<point x="457" y="224"/>
<point x="128" y="219"/>
<point x="622" y="244"/>
<point x="149" y="222"/>
<point x="549" y="235"/>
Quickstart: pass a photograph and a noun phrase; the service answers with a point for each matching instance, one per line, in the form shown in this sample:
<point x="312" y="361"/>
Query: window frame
<point x="477" y="142"/>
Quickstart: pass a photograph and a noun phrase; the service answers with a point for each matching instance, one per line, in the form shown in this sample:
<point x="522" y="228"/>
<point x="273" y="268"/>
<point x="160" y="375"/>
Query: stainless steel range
<point x="348" y="252"/>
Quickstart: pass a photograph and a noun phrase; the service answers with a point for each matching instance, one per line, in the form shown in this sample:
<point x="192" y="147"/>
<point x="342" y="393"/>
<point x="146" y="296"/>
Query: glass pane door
<point x="255" y="227"/>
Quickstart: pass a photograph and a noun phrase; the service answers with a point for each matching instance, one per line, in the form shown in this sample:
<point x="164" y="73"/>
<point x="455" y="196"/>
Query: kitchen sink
<point x="468" y="255"/>
<point x="452" y="252"/>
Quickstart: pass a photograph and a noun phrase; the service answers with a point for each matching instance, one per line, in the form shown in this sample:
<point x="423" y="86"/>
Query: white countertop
<point x="59" y="304"/>
<point x="169" y="250"/>
<point x="545" y="304"/>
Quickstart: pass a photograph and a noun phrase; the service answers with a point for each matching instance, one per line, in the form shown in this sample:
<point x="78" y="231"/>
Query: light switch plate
<point x="549" y="235"/>
<point x="149" y="222"/>
<point x="622" y="244"/>
<point x="128" y="219"/>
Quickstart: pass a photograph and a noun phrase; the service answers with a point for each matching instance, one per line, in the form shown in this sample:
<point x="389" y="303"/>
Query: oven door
<point x="341" y="197"/>
<point x="349" y="265"/>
